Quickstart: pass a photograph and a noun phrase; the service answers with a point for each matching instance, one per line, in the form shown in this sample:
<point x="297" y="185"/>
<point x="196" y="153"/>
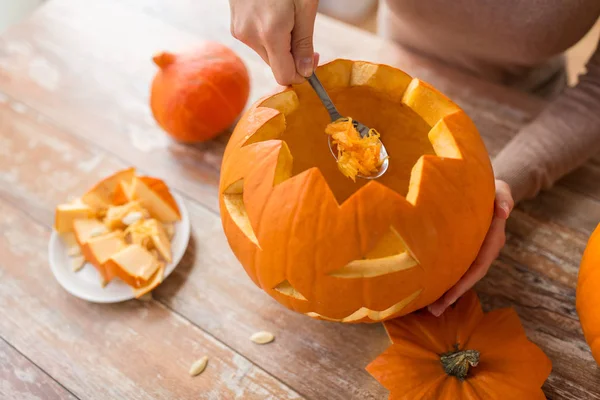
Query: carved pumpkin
<point x="464" y="354"/>
<point x="588" y="295"/>
<point x="197" y="95"/>
<point x="361" y="251"/>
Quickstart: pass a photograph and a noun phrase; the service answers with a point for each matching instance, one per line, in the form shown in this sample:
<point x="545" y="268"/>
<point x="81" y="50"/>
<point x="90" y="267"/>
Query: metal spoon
<point x="335" y="115"/>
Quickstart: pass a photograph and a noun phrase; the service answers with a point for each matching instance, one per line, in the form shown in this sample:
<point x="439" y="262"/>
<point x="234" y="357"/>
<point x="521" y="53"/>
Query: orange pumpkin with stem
<point x="588" y="295"/>
<point x="464" y="354"/>
<point x="361" y="251"/>
<point x="198" y="94"/>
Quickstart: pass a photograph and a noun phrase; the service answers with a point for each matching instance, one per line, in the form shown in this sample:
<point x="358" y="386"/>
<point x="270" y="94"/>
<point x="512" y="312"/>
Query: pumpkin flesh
<point x="356" y="154"/>
<point x="360" y="251"/>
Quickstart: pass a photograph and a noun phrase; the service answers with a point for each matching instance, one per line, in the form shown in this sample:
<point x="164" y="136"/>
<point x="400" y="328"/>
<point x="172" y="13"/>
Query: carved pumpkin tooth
<point x="287" y="289"/>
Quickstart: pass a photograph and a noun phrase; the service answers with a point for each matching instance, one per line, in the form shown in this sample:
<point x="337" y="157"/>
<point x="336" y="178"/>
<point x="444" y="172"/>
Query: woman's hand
<point x="281" y="32"/>
<point x="490" y="249"/>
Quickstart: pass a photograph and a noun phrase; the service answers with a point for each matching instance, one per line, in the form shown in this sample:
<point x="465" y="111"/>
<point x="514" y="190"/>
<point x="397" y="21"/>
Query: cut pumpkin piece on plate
<point x="101" y="195"/>
<point x="134" y="264"/>
<point x="152" y="284"/>
<point x="150" y="234"/>
<point x="122" y="193"/>
<point x="159" y="187"/>
<point x="98" y="250"/>
<point x="154" y="202"/>
<point x="66" y="214"/>
<point x="160" y="239"/>
<point x="118" y="217"/>
<point x="87" y="228"/>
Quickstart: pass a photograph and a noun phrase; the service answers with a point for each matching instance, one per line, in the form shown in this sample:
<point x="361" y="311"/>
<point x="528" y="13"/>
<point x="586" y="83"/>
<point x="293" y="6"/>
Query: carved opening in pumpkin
<point x="287" y="289"/>
<point x="389" y="255"/>
<point x="373" y="315"/>
<point x="402" y="110"/>
<point x="233" y="197"/>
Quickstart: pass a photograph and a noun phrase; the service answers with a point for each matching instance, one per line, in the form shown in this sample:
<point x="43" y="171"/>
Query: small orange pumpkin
<point x="588" y="293"/>
<point x="464" y="354"/>
<point x="197" y="95"/>
<point x="361" y="251"/>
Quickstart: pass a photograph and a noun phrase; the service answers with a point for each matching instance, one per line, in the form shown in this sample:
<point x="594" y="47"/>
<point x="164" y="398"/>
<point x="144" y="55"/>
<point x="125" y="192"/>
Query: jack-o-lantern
<point x="334" y="249"/>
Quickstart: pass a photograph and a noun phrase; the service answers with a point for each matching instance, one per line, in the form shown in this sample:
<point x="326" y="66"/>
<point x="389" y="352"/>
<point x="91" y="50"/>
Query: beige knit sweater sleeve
<point x="560" y="139"/>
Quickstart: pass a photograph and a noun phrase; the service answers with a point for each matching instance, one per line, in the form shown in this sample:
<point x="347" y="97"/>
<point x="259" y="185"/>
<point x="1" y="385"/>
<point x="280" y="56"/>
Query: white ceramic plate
<point x="85" y="283"/>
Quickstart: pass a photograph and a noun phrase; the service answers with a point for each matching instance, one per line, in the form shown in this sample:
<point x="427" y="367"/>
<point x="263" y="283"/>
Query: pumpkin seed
<point x="132" y="217"/>
<point x="74" y="251"/>
<point x="262" y="337"/>
<point x="98" y="231"/>
<point x="77" y="263"/>
<point x="169" y="230"/>
<point x="198" y="367"/>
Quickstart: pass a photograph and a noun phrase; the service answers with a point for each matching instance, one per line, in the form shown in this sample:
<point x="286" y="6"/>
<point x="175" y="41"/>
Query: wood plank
<point x="21" y="379"/>
<point x="537" y="274"/>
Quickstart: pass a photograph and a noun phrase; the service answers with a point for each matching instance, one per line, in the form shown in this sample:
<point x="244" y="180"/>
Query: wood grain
<point x="21" y="379"/>
<point x="73" y="107"/>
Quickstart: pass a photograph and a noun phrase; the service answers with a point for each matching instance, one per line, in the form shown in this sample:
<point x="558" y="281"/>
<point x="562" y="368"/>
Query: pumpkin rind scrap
<point x="504" y="363"/>
<point x="588" y="293"/>
<point x="356" y="252"/>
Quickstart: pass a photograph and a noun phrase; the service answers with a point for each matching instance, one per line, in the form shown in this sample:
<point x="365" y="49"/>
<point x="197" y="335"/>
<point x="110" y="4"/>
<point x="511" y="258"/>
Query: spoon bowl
<point x="383" y="155"/>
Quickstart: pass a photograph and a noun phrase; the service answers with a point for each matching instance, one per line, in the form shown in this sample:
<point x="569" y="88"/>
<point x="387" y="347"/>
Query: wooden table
<point x="74" y="82"/>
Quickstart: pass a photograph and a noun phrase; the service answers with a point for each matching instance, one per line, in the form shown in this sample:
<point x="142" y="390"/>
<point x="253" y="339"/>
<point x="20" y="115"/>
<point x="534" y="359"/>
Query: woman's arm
<point x="560" y="139"/>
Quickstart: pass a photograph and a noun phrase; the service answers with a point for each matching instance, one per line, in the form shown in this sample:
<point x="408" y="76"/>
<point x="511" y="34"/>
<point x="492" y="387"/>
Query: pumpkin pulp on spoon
<point x="356" y="154"/>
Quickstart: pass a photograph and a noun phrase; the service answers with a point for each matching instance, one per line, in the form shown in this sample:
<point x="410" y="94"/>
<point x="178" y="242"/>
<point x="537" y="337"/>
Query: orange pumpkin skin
<point x="197" y="95"/>
<point x="508" y="365"/>
<point x="588" y="293"/>
<point x="356" y="252"/>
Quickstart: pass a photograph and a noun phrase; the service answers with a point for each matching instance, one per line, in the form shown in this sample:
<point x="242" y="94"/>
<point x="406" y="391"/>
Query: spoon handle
<point x="324" y="97"/>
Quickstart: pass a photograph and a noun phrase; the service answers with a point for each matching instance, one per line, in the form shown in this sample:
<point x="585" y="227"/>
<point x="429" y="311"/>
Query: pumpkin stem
<point x="456" y="363"/>
<point x="164" y="59"/>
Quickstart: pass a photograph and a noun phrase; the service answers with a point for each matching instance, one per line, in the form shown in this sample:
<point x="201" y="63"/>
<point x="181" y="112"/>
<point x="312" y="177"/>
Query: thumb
<point x="302" y="36"/>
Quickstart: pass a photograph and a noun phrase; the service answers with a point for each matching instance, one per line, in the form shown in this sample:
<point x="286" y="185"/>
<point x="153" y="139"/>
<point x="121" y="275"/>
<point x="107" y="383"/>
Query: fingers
<point x="280" y="32"/>
<point x="504" y="200"/>
<point x="490" y="249"/>
<point x="282" y="62"/>
<point x="302" y="37"/>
